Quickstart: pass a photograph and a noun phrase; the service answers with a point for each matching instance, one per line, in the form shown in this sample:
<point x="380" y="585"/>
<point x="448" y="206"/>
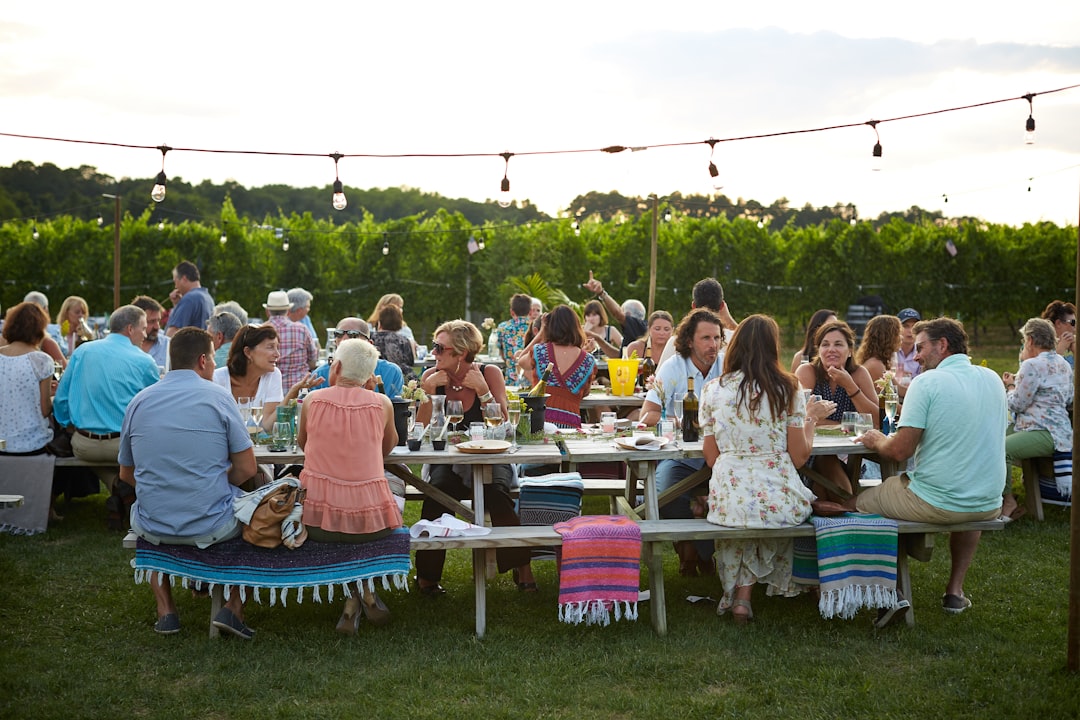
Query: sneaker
<point x="955" y="604"/>
<point x="227" y="621"/>
<point x="167" y="624"/>
<point x="887" y="616"/>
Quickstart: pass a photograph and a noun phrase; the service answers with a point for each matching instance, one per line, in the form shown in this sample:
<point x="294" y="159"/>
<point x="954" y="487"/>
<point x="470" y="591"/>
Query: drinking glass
<point x="476" y="431"/>
<point x="513" y="413"/>
<point x="493" y="417"/>
<point x="848" y="422"/>
<point x="678" y="398"/>
<point x="455" y="413"/>
<point x="865" y="423"/>
<point x="607" y="423"/>
<point x="282" y="437"/>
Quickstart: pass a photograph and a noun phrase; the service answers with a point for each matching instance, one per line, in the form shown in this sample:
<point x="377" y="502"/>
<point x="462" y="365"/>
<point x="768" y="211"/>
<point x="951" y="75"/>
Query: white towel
<point x="446" y="526"/>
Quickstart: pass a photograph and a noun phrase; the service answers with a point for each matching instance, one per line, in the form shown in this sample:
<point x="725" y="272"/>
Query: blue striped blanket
<point x="310" y="567"/>
<point x="853" y="558"/>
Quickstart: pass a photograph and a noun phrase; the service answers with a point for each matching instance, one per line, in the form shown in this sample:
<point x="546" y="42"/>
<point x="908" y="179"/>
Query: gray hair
<point x="357" y="358"/>
<point x="536" y="301"/>
<point x="634" y="308"/>
<point x="232" y="307"/>
<point x="299" y="297"/>
<point x="225" y="323"/>
<point x="124" y="316"/>
<point x="1041" y="333"/>
<point x="38" y="298"/>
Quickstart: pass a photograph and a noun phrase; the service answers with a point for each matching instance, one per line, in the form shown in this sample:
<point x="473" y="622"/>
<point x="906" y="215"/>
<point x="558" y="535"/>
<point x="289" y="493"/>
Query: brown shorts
<point x="893" y="499"/>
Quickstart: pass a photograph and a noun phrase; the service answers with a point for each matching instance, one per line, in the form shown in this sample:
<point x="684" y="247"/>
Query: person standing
<point x="184" y="446"/>
<point x="512" y="335"/>
<point x="192" y="304"/>
<point x="954" y="425"/>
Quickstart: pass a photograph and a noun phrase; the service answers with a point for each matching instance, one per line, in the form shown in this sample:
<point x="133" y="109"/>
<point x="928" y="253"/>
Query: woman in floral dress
<point x="754" y="434"/>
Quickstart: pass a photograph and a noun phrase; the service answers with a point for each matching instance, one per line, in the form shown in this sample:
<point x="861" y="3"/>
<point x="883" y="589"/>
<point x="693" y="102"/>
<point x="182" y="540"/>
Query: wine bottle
<point x="540" y="388"/>
<point x="690" y="413"/>
<point x="648" y="368"/>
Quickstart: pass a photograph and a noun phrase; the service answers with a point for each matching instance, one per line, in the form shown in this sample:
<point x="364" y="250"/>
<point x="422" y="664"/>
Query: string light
<point x="224" y="237"/>
<point x="576" y="226"/>
<point x="385" y="245"/>
<point x="100" y="220"/>
<point x="35" y="234"/>
<point x="667" y="214"/>
<point x="876" y="164"/>
<point x="480" y="243"/>
<point x="713" y="171"/>
<point x="1029" y="126"/>
<point x="161" y="225"/>
<point x="505" y="200"/>
<point x="158" y="193"/>
<point x="285" y="245"/>
<point x="339" y="202"/>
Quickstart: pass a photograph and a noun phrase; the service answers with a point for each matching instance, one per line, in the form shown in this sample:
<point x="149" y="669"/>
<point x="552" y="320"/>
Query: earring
<point x="458" y="368"/>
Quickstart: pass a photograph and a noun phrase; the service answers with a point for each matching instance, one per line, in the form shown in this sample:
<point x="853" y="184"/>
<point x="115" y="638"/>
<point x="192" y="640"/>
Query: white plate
<point x="483" y="446"/>
<point x="641" y="442"/>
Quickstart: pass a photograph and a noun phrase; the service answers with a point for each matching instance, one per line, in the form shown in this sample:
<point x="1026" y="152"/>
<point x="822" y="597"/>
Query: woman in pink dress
<point x="345" y="431"/>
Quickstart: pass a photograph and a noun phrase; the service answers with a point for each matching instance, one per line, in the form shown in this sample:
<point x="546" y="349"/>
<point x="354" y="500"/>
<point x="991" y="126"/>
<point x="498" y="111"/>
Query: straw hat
<point x="277" y="300"/>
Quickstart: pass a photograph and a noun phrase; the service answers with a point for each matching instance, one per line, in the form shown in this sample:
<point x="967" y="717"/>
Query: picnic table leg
<point x="903" y="580"/>
<point x="480" y="473"/>
<point x="654" y="559"/>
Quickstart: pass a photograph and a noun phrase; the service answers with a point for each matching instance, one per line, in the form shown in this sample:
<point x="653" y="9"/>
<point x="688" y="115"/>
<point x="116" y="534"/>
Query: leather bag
<point x="264" y="529"/>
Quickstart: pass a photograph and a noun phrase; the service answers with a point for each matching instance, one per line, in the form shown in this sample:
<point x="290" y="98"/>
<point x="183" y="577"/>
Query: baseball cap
<point x="908" y="314"/>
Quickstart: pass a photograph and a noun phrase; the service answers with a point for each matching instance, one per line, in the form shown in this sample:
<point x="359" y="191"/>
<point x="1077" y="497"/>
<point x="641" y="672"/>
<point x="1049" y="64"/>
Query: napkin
<point x="446" y="526"/>
<point x="644" y="442"/>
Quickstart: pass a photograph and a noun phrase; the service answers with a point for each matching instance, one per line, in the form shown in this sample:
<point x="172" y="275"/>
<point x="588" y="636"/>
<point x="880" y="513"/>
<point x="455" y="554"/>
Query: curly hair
<point x="754" y="351"/>
<point x="881" y="340"/>
<point x="843" y="328"/>
<point x="248" y="336"/>
<point x="684" y="334"/>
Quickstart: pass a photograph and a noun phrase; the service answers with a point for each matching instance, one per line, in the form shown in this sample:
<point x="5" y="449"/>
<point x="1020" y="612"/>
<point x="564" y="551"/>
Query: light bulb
<point x="161" y="225"/>
<point x="285" y="246"/>
<point x="158" y="193"/>
<point x="760" y="224"/>
<point x="854" y="222"/>
<point x="100" y="221"/>
<point x="224" y="237"/>
<point x="339" y="196"/>
<point x="1029" y="131"/>
<point x="36" y="234"/>
<point x="875" y="165"/>
<point x="505" y="200"/>
<point x="480" y="244"/>
<point x="386" y="247"/>
<point x="667" y="215"/>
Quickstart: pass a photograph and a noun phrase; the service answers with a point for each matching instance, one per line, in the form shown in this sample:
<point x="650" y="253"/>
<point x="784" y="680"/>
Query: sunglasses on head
<point x="352" y="334"/>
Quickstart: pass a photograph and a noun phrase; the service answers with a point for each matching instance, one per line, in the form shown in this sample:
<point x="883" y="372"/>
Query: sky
<point x="493" y="77"/>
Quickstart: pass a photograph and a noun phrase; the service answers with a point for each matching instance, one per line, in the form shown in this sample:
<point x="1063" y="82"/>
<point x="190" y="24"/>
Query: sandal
<point x="742" y="618"/>
<point x="349" y="622"/>
<point x="374" y="608"/>
<point x="524" y="586"/>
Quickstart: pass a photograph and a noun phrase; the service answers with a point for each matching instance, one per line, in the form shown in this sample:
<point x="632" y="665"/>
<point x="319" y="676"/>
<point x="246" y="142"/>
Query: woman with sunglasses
<point x="456" y="376"/>
<point x="1063" y="316"/>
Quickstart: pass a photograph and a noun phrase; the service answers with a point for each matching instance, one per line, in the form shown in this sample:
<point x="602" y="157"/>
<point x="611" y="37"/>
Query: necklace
<point x="451" y="380"/>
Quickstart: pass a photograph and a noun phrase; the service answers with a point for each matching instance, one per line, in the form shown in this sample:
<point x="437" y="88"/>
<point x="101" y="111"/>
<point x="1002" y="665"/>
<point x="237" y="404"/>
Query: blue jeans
<point x="670" y="472"/>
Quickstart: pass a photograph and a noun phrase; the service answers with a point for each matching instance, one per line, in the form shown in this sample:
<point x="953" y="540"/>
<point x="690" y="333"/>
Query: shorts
<point x="893" y="499"/>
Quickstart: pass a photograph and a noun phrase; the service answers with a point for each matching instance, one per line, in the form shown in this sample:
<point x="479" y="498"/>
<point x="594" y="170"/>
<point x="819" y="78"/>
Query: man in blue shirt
<point x="354" y="327"/>
<point x="101" y="379"/>
<point x="954" y="424"/>
<point x="698" y="340"/>
<point x="185" y="448"/>
<point x="192" y="303"/>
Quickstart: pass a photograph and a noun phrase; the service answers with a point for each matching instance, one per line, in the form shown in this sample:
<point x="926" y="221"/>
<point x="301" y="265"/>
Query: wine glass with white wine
<point x="455" y="413"/>
<point x="513" y="414"/>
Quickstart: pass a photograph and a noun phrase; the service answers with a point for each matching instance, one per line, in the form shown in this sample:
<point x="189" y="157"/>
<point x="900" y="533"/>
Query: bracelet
<point x="487" y="397"/>
<point x="856" y="393"/>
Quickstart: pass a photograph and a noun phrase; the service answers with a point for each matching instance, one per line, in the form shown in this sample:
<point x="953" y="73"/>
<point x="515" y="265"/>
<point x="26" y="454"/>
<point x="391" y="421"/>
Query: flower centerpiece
<point x="413" y="391"/>
<point x="656" y="384"/>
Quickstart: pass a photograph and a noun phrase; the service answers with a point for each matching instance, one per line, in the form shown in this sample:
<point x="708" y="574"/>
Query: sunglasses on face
<point x="352" y="334"/>
<point x="1070" y="322"/>
<point x="437" y="349"/>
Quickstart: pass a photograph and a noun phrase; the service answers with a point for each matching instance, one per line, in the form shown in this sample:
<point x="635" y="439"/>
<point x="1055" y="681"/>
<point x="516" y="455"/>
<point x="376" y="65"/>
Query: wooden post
<point x="1073" y="651"/>
<point x="116" y="249"/>
<point x="652" y="255"/>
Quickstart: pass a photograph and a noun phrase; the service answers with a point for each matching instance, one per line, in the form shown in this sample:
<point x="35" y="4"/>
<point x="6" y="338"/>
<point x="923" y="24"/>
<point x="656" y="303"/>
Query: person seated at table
<point x="223" y="326"/>
<point x="398" y="302"/>
<point x="755" y="432"/>
<point x="184" y="447"/>
<point x="954" y="425"/>
<point x="652" y="345"/>
<point x="51" y="344"/>
<point x="72" y="312"/>
<point x="252" y="372"/>
<point x="1063" y="316"/>
<point x="834" y="376"/>
<point x="1038" y="395"/>
<point x="345" y="431"/>
<point x="352" y="328"/>
<point x="808" y="351"/>
<point x="156" y="344"/>
<point x="604" y="340"/>
<point x="393" y="346"/>
<point x="455" y="375"/>
<point x="573" y="368"/>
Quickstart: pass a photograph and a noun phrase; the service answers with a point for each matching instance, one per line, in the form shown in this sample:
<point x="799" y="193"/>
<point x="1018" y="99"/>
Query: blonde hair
<point x="465" y="339"/>
<point x="66" y="308"/>
<point x="357" y="358"/>
<point x="387" y="299"/>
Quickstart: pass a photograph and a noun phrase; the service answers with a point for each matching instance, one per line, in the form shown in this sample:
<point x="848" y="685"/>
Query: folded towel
<point x="599" y="569"/>
<point x="446" y="526"/>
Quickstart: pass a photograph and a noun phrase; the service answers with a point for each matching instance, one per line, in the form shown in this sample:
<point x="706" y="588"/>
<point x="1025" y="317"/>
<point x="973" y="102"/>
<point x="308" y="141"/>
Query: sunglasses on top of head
<point x="351" y="334"/>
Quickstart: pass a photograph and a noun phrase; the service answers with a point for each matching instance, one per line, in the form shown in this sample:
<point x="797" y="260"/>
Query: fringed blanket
<point x="549" y="499"/>
<point x="599" y="570"/>
<point x="311" y="566"/>
<point x="856" y="563"/>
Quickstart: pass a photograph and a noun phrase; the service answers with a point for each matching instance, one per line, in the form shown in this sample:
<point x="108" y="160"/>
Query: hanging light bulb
<point x="339" y="202"/>
<point x="36" y="235"/>
<point x="285" y="244"/>
<point x="386" y="247"/>
<point x="667" y="214"/>
<point x="875" y="165"/>
<point x="224" y="237"/>
<point x="100" y="220"/>
<point x="714" y="173"/>
<point x="576" y="226"/>
<point x="161" y="225"/>
<point x="1029" y="126"/>
<point x="158" y="193"/>
<point x="480" y="243"/>
<point x="505" y="199"/>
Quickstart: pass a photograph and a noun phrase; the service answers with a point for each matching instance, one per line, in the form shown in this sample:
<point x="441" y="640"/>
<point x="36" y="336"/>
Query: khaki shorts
<point x="893" y="499"/>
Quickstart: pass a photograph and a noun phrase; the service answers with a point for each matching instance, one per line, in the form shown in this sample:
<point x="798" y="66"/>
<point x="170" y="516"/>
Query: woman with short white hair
<point x="346" y="430"/>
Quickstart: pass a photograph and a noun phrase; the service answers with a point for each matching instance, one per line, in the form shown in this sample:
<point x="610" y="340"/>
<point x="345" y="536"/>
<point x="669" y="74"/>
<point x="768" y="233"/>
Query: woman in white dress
<point x="756" y="430"/>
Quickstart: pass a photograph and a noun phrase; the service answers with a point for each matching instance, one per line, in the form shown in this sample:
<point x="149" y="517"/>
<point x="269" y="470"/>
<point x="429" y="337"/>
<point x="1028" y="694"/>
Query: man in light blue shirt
<point x="354" y="327"/>
<point x="953" y="422"/>
<point x="185" y="449"/>
<point x="101" y="379"/>
<point x="698" y="340"/>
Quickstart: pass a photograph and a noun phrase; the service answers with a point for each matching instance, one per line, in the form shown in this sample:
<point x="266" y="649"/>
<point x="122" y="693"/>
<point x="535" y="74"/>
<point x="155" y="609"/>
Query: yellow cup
<point x="623" y="374"/>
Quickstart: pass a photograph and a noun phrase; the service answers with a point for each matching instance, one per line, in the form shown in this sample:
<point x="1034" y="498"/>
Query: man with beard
<point x="156" y="342"/>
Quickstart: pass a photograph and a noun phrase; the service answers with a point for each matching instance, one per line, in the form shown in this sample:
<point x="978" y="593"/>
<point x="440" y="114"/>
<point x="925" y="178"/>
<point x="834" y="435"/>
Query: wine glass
<point x="493" y="417"/>
<point x="513" y="413"/>
<point x="678" y="398"/>
<point x="455" y="413"/>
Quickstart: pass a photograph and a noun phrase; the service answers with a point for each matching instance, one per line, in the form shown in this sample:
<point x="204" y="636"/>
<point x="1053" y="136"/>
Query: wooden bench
<point x="1033" y="469"/>
<point x="917" y="541"/>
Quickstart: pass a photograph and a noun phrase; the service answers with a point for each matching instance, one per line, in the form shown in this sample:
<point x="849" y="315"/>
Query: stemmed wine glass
<point x="455" y="412"/>
<point x="513" y="414"/>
